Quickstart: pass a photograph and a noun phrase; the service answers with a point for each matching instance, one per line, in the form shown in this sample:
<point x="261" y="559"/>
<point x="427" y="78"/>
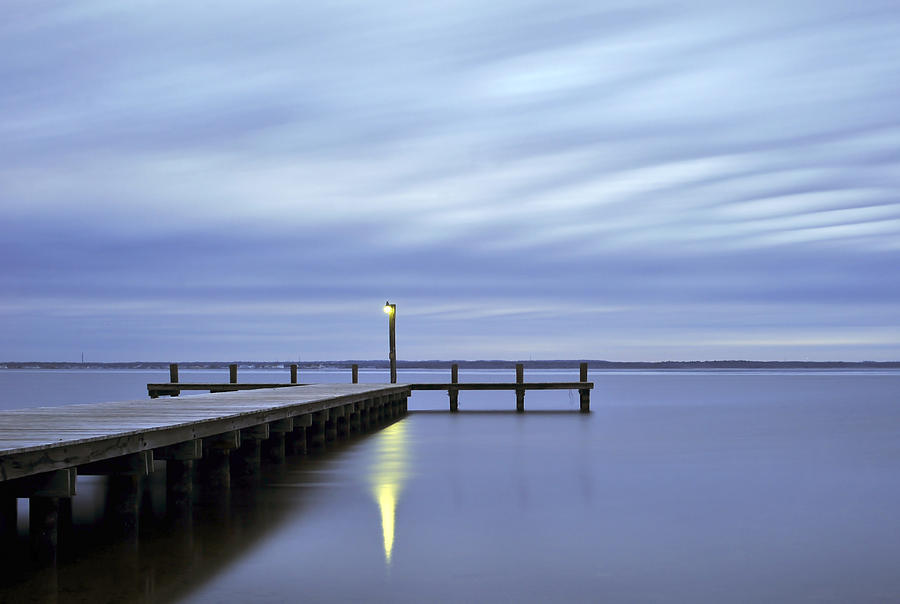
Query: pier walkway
<point x="44" y="449"/>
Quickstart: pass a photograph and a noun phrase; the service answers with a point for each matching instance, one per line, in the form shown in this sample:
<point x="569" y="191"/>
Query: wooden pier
<point x="520" y="386"/>
<point x="43" y="450"/>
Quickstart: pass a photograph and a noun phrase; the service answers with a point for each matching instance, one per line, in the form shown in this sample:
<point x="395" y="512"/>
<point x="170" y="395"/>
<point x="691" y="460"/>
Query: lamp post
<point x="391" y="311"/>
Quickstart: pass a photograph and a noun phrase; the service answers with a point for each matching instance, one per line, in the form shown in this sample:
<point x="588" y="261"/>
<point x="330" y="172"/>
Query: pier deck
<point x="43" y="450"/>
<point x="44" y="439"/>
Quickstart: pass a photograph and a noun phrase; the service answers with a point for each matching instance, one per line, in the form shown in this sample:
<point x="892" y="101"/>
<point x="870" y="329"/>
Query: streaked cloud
<point x="626" y="180"/>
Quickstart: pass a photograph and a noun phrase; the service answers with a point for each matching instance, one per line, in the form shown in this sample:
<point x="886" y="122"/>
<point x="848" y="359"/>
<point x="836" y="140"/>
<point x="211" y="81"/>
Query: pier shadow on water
<point x="162" y="547"/>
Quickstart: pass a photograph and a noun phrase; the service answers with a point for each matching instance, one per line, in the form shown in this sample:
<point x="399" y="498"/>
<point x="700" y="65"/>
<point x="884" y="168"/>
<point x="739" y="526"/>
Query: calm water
<point x="679" y="487"/>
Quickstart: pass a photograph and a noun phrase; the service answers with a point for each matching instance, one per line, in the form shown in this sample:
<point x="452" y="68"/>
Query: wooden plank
<point x="422" y="386"/>
<point x="260" y="432"/>
<point x="58" y="483"/>
<point x="221" y="387"/>
<point x="134" y="464"/>
<point x="190" y="449"/>
<point x="504" y="386"/>
<point x="225" y="441"/>
<point x="282" y="425"/>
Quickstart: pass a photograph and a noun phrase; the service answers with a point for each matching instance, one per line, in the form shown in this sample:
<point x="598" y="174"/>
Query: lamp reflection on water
<point x="387" y="476"/>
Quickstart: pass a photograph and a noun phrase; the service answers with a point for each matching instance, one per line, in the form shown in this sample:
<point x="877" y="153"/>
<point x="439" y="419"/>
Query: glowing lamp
<point x="391" y="311"/>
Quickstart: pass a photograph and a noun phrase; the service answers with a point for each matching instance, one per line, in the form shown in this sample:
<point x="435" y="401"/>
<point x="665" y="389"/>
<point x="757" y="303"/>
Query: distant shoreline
<point x="481" y="364"/>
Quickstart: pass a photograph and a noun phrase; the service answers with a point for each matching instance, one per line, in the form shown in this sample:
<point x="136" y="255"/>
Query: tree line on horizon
<point x="463" y="364"/>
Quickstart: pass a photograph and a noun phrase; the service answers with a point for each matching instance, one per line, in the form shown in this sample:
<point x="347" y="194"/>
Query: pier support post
<point x="123" y="488"/>
<point x="273" y="448"/>
<point x="232" y="373"/>
<point x="520" y="390"/>
<point x="454" y="392"/>
<point x="294" y="374"/>
<point x="173" y="377"/>
<point x="353" y="418"/>
<point x="179" y="460"/>
<point x="363" y="409"/>
<point x="296" y="441"/>
<point x="179" y="487"/>
<point x="64" y="527"/>
<point x="43" y="521"/>
<point x="8" y="519"/>
<point x="584" y="394"/>
<point x="342" y="420"/>
<point x="317" y="430"/>
<point x="215" y="467"/>
<point x="123" y="501"/>
<point x="354" y="373"/>
<point x="331" y="425"/>
<point x="246" y="460"/>
<point x="369" y="415"/>
<point x="44" y="491"/>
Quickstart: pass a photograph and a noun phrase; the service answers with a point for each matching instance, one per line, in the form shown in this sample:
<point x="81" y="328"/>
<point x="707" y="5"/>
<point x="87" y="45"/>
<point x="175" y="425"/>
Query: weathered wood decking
<point x="44" y="439"/>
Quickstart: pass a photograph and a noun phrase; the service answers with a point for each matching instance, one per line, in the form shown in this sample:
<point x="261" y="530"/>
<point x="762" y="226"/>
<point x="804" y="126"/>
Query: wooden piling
<point x="520" y="391"/>
<point x="8" y="519"/>
<point x="246" y="461"/>
<point x="296" y="441"/>
<point x="354" y="419"/>
<point x="173" y="378"/>
<point x="294" y="373"/>
<point x="43" y="521"/>
<point x="214" y="469"/>
<point x="232" y="373"/>
<point x="331" y="426"/>
<point x="342" y="424"/>
<point x="273" y="448"/>
<point x="123" y="501"/>
<point x="365" y="416"/>
<point x="64" y="527"/>
<point x="317" y="430"/>
<point x="179" y="479"/>
<point x="354" y="373"/>
<point x="454" y="392"/>
<point x="584" y="394"/>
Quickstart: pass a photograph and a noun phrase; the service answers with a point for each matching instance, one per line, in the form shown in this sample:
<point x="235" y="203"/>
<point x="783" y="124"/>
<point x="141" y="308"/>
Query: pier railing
<point x="520" y="386"/>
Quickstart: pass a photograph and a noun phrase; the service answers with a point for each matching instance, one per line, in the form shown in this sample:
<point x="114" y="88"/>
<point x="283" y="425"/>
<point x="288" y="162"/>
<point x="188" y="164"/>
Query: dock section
<point x="520" y="386"/>
<point x="43" y="450"/>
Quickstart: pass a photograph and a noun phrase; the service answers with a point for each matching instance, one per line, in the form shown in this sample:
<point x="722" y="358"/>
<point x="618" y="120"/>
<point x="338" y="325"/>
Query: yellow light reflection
<point x="387" y="476"/>
<point x="387" y="501"/>
<point x="388" y="309"/>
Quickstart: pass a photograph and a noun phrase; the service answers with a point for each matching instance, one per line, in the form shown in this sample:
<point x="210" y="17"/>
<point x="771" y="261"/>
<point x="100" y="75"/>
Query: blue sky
<point x="617" y="180"/>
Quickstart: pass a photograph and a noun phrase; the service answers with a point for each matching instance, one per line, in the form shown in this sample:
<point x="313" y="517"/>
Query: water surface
<point x="678" y="487"/>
